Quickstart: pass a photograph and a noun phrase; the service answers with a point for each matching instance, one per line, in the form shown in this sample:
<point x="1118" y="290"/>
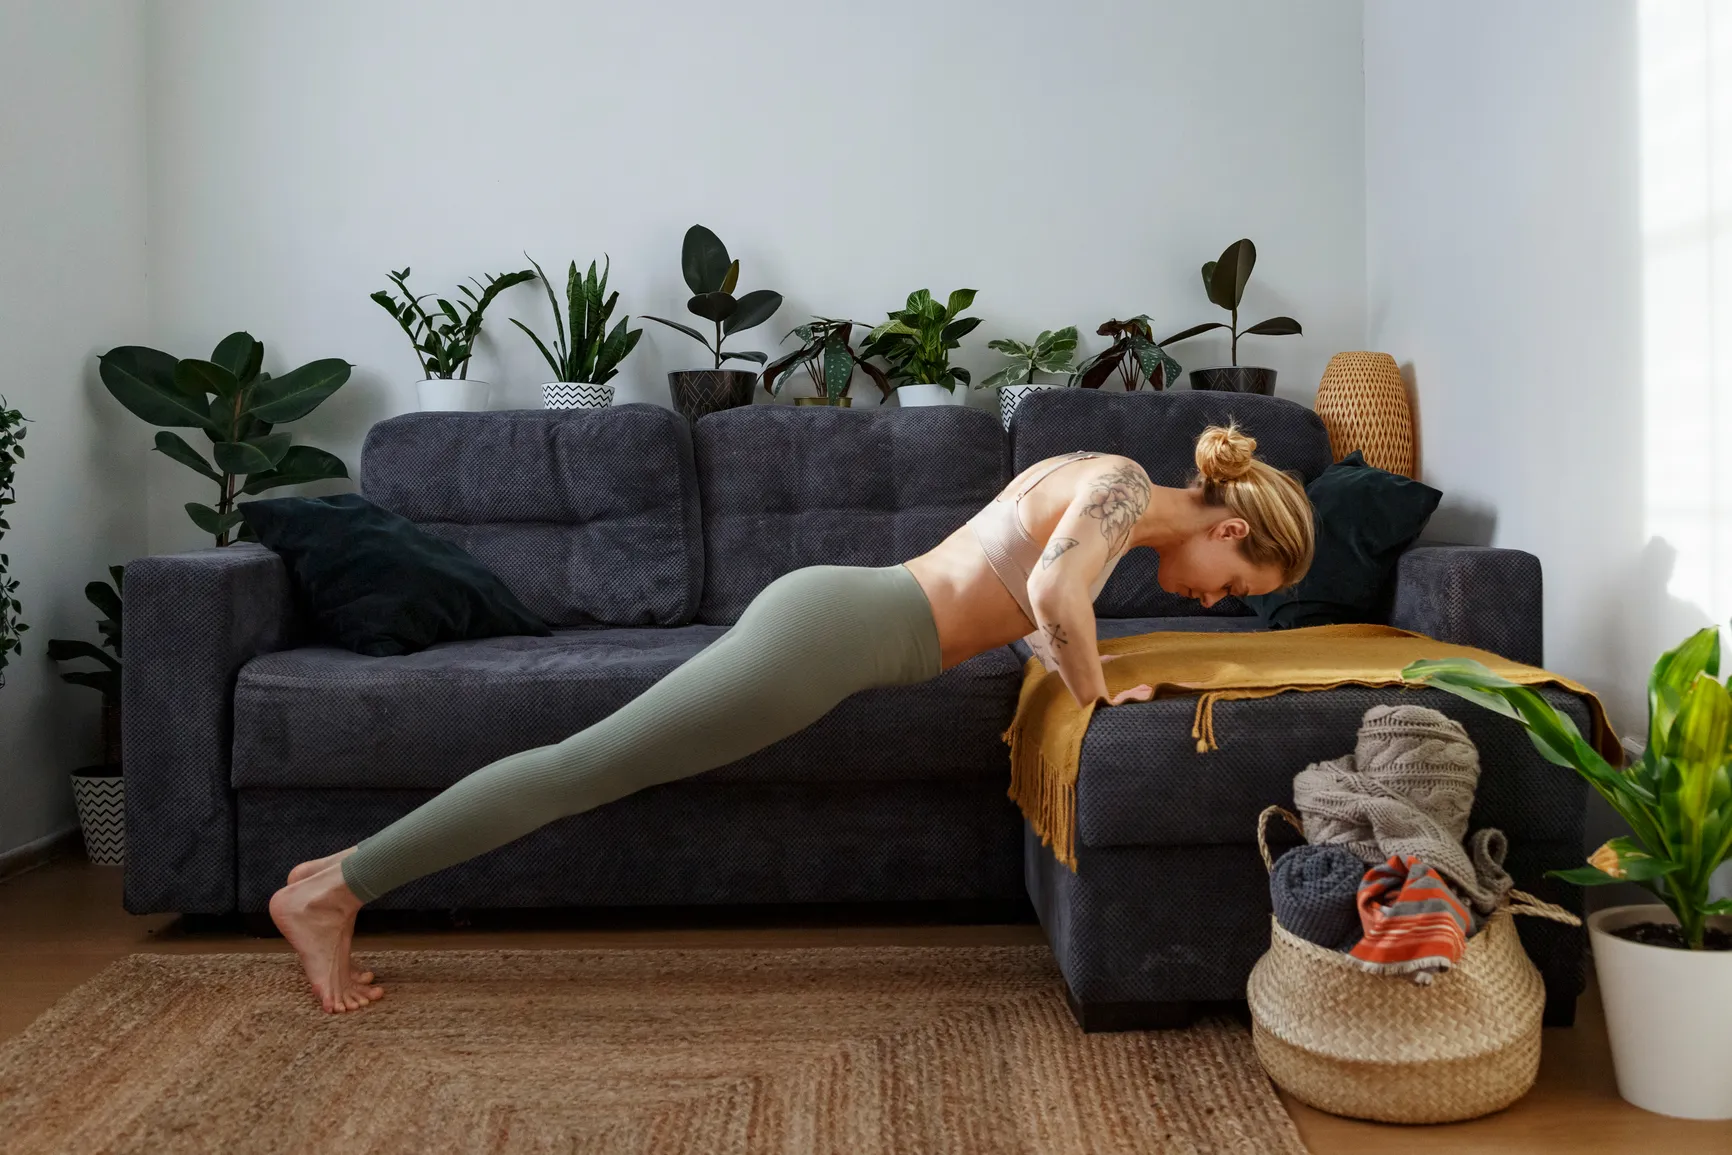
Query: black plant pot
<point x="1234" y="379"/>
<point x="700" y="391"/>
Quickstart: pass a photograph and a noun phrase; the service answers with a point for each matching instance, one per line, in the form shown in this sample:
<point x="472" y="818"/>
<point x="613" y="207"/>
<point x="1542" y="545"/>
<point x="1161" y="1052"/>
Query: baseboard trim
<point x="34" y="854"/>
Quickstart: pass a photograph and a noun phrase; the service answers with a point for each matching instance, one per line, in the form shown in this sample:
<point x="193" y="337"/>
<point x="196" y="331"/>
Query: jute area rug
<point x="813" y="1049"/>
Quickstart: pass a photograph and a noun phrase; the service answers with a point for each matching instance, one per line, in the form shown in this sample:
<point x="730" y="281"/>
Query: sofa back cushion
<point x="787" y="486"/>
<point x="590" y="516"/>
<point x="1159" y="431"/>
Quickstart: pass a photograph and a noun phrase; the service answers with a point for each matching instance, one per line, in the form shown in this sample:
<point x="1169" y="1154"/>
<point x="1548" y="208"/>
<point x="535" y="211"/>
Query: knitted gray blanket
<point x="1407" y="788"/>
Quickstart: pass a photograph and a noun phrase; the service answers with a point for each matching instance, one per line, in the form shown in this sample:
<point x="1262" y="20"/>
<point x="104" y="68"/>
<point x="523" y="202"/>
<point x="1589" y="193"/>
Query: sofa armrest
<point x="191" y="621"/>
<point x="1472" y="596"/>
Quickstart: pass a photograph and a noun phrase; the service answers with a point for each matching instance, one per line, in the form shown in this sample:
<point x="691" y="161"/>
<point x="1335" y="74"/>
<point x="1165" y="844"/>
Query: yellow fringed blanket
<point x="1047" y="733"/>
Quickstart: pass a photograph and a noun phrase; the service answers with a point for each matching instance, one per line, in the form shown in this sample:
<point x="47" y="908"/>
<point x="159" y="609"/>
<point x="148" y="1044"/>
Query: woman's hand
<point x="1138" y="693"/>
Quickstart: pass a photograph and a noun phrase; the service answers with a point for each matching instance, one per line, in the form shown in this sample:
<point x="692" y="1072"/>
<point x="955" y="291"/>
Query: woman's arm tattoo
<point x="1054" y="548"/>
<point x="1117" y="499"/>
<point x="1055" y="634"/>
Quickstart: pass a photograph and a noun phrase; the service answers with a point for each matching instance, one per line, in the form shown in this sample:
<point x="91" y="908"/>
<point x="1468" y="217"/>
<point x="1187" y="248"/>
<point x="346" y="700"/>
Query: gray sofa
<point x="642" y="537"/>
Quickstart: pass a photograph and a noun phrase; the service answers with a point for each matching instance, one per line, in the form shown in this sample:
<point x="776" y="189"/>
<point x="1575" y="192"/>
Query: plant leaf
<point x="301" y="464"/>
<point x="251" y="456"/>
<point x="299" y="391"/>
<point x="1585" y="876"/>
<point x="959" y="300"/>
<point x="1274" y="327"/>
<point x="1187" y="334"/>
<point x="732" y="278"/>
<point x="749" y="355"/>
<point x="958" y="329"/>
<point x="240" y="354"/>
<point x="754" y="309"/>
<point x="703" y="260"/>
<point x="174" y="446"/>
<point x="686" y="329"/>
<point x="713" y="306"/>
<point x="72" y="649"/>
<point x="1227" y="279"/>
<point x="198" y="378"/>
<point x="210" y="521"/>
<point x="142" y="379"/>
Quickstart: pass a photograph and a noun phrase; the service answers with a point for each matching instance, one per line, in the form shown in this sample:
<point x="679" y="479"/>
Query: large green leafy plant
<point x="917" y="339"/>
<point x="828" y="355"/>
<point x="1133" y="355"/>
<point x="237" y="407"/>
<point x="1051" y="352"/>
<point x="712" y="276"/>
<point x="594" y="353"/>
<point x="11" y="453"/>
<point x="1225" y="280"/>
<point x="109" y="600"/>
<point x="444" y="338"/>
<point x="1676" y="798"/>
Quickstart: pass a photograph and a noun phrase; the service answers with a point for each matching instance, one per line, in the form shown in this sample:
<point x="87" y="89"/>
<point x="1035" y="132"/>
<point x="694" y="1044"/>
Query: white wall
<point x="1071" y="162"/>
<point x="71" y="285"/>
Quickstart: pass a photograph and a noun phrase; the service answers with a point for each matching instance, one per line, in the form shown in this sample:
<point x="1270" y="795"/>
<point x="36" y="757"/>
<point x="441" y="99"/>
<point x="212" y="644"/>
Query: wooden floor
<point x="62" y="922"/>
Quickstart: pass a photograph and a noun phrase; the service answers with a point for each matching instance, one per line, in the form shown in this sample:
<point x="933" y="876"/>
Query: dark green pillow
<point x="1365" y="517"/>
<point x="373" y="582"/>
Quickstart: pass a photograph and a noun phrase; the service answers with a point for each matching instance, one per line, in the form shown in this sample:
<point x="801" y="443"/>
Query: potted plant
<point x="444" y="340"/>
<point x="916" y="342"/>
<point x="11" y="453"/>
<point x="829" y="357"/>
<point x="1133" y="354"/>
<point x="238" y="406"/>
<point x="1051" y="352"/>
<point x="1664" y="970"/>
<point x="712" y="276"/>
<point x="99" y="792"/>
<point x="582" y="370"/>
<point x="1224" y="280"/>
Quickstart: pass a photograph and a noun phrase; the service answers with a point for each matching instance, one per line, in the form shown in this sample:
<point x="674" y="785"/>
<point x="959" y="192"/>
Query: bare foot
<point x="317" y="916"/>
<point x="314" y="865"/>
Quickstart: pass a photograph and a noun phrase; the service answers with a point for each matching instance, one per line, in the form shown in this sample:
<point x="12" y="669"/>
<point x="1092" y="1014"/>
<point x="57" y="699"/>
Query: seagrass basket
<point x="1363" y="403"/>
<point x="1379" y="1047"/>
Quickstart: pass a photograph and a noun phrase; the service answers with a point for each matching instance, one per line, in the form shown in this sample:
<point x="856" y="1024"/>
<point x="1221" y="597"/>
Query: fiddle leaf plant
<point x="828" y="355"/>
<point x="1134" y="355"/>
<point x="11" y="453"/>
<point x="917" y="339"/>
<point x="1051" y="352"/>
<point x="1676" y="798"/>
<point x="444" y="338"/>
<point x="1224" y="280"/>
<point x="594" y="353"/>
<point x="712" y="277"/>
<point x="237" y="407"/>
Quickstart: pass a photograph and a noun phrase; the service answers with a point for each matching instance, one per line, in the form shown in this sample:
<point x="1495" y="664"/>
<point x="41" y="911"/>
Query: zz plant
<point x="444" y="338"/>
<point x="594" y="353"/>
<point x="237" y="407"/>
<point x="827" y="352"/>
<point x="11" y="453"/>
<point x="1051" y="352"/>
<point x="1676" y="798"/>
<point x="917" y="339"/>
<point x="1225" y="280"/>
<point x="712" y="277"/>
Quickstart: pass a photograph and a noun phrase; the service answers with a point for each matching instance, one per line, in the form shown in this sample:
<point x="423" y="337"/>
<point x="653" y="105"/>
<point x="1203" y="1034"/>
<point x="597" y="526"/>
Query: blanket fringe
<point x="1045" y="799"/>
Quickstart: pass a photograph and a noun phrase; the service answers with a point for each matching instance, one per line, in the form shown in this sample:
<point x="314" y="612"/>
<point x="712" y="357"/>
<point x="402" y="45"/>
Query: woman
<point x="1036" y="555"/>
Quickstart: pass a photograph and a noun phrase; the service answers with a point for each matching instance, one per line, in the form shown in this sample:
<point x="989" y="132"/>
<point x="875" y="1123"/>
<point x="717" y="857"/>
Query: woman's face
<point x="1209" y="566"/>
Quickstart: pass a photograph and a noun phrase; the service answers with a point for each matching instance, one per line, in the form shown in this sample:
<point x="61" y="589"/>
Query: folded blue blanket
<point x="1314" y="889"/>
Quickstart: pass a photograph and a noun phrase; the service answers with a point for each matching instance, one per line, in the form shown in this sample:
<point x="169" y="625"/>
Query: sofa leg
<point x="1560" y="1011"/>
<point x="1097" y="1017"/>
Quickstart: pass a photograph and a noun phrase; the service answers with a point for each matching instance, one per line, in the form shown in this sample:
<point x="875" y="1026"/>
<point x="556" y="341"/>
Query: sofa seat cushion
<point x="318" y="716"/>
<point x="1142" y="782"/>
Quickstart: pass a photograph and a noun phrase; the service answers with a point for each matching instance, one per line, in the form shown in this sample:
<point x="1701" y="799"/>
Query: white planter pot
<point x="1010" y="396"/>
<point x="576" y="395"/>
<point x="1669" y="1015"/>
<point x="907" y="395"/>
<point x="101" y="803"/>
<point x="463" y="396"/>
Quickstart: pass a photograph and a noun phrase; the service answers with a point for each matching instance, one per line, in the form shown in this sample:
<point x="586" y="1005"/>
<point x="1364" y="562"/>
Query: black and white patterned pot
<point x="1010" y="396"/>
<point x="101" y="802"/>
<point x="576" y="395"/>
<point x="700" y="391"/>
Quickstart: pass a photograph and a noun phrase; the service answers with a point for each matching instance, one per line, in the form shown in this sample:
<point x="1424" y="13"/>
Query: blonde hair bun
<point x="1224" y="453"/>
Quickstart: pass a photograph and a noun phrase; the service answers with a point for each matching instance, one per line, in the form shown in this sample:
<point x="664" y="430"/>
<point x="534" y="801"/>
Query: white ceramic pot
<point x="576" y="395"/>
<point x="907" y="395"/>
<point x="1010" y="396"/>
<point x="450" y="393"/>
<point x="101" y="805"/>
<point x="1669" y="1015"/>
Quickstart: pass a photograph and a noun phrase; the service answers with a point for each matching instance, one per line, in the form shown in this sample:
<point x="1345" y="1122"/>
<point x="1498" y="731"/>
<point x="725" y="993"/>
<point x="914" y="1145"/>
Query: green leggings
<point x="808" y="640"/>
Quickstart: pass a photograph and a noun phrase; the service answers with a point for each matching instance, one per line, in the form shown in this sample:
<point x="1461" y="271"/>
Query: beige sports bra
<point x="1013" y="554"/>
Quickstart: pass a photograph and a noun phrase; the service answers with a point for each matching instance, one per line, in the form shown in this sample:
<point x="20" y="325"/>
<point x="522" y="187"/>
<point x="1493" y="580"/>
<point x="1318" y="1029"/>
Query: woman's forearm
<point x="1067" y="626"/>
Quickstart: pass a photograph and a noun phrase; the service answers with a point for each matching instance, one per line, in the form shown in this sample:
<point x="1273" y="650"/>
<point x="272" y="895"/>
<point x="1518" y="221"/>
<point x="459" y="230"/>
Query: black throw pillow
<point x="1365" y="517"/>
<point x="375" y="583"/>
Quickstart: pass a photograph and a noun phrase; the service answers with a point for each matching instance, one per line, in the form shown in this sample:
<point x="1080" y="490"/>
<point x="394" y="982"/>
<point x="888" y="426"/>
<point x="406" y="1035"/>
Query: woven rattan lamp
<point x="1363" y="403"/>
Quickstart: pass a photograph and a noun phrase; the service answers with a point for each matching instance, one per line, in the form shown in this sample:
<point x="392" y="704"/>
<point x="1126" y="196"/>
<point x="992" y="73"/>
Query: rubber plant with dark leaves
<point x="1225" y="280"/>
<point x="917" y="339"/>
<point x="1133" y="355"/>
<point x="712" y="275"/>
<point x="1676" y="798"/>
<point x="237" y="406"/>
<point x="829" y="357"/>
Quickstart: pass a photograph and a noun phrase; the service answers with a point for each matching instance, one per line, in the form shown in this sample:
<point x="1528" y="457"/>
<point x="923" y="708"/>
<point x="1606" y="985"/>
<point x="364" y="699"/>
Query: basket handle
<point x="1521" y="902"/>
<point x="1263" y="832"/>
